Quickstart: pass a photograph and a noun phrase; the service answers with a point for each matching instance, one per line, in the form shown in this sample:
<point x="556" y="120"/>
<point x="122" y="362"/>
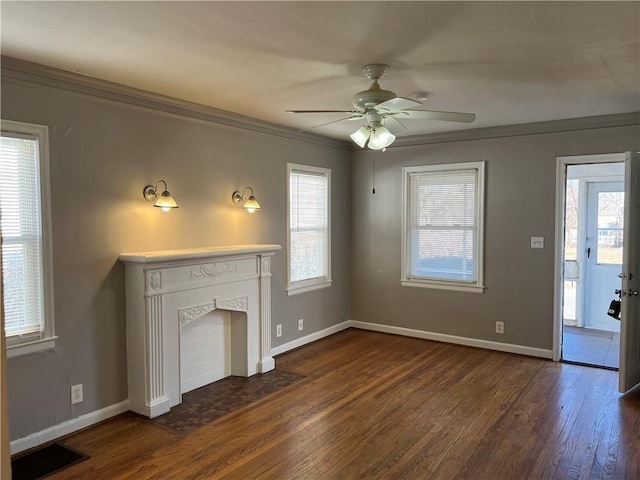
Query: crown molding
<point x="23" y="71"/>
<point x="552" y="126"/>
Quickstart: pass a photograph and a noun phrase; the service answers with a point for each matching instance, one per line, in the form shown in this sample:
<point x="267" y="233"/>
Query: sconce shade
<point x="251" y="205"/>
<point x="164" y="201"/>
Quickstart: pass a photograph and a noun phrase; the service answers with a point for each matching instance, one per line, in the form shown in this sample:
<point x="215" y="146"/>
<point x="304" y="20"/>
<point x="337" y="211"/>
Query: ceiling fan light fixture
<point x="381" y="138"/>
<point x="376" y="105"/>
<point x="361" y="136"/>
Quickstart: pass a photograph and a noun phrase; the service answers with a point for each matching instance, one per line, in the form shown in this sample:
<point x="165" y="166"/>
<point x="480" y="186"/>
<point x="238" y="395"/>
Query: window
<point x="308" y="236"/>
<point x="26" y="246"/>
<point x="443" y="226"/>
<point x="610" y="228"/>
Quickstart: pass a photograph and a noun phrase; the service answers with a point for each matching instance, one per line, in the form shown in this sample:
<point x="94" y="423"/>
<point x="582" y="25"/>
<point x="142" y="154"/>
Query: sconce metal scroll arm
<point x="238" y="197"/>
<point x="151" y="193"/>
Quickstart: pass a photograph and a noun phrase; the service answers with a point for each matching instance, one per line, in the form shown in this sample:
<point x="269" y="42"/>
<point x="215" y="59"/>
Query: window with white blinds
<point x="308" y="228"/>
<point x="443" y="226"/>
<point x="26" y="299"/>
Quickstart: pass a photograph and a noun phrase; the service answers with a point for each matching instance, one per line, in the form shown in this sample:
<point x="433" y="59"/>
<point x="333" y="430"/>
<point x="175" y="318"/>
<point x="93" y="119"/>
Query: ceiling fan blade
<point x="401" y="124"/>
<point x="398" y="103"/>
<point x="321" y="111"/>
<point x="435" y="115"/>
<point x="329" y="123"/>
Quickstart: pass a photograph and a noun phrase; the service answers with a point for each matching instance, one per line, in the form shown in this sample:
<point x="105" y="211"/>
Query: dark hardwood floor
<point x="382" y="406"/>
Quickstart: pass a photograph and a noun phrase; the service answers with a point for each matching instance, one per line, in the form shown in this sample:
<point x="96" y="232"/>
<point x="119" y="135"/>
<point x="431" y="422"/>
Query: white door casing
<point x="561" y="177"/>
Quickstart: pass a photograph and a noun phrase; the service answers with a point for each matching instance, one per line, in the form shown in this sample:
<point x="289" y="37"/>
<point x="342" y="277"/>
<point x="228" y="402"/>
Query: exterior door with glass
<point x="603" y="255"/>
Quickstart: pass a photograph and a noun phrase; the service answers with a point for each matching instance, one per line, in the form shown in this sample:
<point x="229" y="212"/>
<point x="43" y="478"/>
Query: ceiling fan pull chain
<point x="374" y="173"/>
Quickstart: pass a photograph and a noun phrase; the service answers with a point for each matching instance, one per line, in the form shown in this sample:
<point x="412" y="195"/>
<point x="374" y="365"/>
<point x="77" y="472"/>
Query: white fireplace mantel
<point x="167" y="289"/>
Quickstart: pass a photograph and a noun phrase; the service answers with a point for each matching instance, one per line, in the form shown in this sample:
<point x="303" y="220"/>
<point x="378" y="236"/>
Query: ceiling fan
<point x="376" y="105"/>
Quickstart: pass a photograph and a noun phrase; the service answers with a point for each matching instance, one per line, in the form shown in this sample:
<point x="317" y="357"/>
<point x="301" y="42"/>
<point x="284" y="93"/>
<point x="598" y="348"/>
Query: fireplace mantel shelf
<point x="196" y="253"/>
<point x="172" y="288"/>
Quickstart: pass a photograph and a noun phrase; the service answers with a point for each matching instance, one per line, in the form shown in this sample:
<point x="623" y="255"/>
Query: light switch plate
<point x="537" y="242"/>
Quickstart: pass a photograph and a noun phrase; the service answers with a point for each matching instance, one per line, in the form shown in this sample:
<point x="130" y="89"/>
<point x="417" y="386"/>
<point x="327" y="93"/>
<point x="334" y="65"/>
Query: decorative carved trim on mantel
<point x="214" y="270"/>
<point x="188" y="315"/>
<point x="155" y="280"/>
<point x="266" y="265"/>
<point x="239" y="304"/>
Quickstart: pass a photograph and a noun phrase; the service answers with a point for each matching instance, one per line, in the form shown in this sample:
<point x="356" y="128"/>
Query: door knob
<point x="633" y="293"/>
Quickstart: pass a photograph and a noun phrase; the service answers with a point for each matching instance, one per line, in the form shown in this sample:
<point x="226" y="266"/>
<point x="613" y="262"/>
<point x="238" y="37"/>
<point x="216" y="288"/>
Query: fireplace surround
<point x="169" y="289"/>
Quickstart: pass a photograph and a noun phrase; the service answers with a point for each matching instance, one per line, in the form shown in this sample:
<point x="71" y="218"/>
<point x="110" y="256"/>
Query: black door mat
<point x="44" y="462"/>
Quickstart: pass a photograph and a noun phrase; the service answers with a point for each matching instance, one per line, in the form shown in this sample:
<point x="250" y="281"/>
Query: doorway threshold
<point x="592" y="365"/>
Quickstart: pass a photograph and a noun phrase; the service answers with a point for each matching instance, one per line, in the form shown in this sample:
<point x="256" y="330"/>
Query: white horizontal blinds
<point x="443" y="225"/>
<point x="308" y="225"/>
<point x="21" y="235"/>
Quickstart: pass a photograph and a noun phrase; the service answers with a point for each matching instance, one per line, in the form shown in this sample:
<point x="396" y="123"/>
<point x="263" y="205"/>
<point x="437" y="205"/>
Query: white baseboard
<point x="441" y="337"/>
<point x="299" y="342"/>
<point x="65" y="428"/>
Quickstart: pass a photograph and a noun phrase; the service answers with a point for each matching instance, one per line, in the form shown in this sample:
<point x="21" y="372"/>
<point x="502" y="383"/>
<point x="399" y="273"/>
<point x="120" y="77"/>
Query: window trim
<point x="32" y="343"/>
<point x="478" y="285"/>
<point x="308" y="285"/>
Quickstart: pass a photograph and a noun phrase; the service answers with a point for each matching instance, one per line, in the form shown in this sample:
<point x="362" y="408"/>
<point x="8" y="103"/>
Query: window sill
<point x="296" y="289"/>
<point x="460" y="287"/>
<point x="36" y="346"/>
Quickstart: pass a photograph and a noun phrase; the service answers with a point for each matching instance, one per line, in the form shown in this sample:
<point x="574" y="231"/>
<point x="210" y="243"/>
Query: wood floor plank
<point x="379" y="406"/>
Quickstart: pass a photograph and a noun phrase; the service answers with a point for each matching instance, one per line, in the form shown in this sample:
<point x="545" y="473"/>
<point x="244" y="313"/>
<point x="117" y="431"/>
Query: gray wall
<point x="520" y="203"/>
<point x="102" y="153"/>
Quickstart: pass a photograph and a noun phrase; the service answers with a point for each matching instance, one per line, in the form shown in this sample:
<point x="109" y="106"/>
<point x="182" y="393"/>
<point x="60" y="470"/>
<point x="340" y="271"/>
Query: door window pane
<point x="610" y="227"/>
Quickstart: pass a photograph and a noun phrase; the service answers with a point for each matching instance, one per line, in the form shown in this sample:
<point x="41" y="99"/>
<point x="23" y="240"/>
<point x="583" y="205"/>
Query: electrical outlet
<point x="300" y="325"/>
<point x="278" y="330"/>
<point x="76" y="393"/>
<point x="499" y="327"/>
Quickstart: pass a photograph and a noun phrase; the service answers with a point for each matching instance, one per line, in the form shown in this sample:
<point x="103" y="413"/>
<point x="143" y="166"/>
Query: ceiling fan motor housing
<point x="368" y="99"/>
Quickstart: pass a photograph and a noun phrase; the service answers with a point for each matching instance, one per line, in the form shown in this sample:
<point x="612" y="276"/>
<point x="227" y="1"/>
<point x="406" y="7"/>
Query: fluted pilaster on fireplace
<point x="267" y="362"/>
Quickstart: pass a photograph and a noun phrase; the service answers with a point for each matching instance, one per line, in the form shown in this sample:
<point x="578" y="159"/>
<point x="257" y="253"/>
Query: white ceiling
<point x="507" y="62"/>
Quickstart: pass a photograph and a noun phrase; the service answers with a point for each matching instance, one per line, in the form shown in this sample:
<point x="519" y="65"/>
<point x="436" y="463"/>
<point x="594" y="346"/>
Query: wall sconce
<point x="164" y="200"/>
<point x="249" y="204"/>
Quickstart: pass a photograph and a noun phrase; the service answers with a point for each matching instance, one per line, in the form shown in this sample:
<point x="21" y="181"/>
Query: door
<point x="629" y="374"/>
<point x="603" y="252"/>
